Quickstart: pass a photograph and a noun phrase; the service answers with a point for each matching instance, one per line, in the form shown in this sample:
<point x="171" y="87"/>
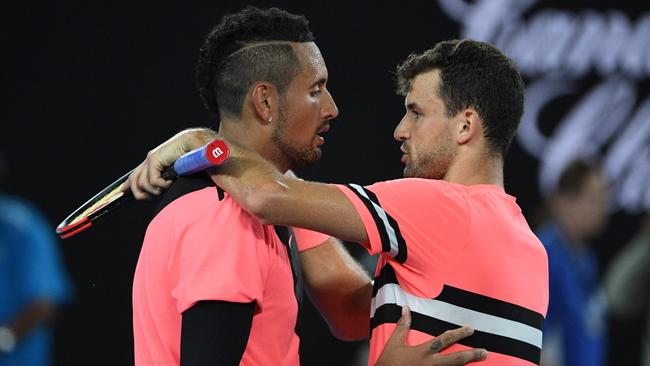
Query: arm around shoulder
<point x="279" y="200"/>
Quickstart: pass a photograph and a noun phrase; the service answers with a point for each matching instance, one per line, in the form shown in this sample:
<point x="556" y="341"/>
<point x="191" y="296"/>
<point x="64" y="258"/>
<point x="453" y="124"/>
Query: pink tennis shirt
<point x="200" y="247"/>
<point x="456" y="255"/>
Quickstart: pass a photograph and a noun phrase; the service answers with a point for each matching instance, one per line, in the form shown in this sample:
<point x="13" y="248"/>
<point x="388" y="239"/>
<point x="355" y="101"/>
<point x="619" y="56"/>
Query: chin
<point x="308" y="158"/>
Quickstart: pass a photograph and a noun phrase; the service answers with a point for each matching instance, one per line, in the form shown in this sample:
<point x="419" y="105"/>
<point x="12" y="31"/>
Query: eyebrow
<point x="412" y="105"/>
<point x="319" y="82"/>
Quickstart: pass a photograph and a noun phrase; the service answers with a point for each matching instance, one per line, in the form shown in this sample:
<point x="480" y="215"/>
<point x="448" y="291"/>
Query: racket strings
<point x="110" y="197"/>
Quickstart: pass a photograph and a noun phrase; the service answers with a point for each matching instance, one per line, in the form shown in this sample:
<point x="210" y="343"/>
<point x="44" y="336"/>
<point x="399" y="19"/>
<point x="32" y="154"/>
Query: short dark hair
<point x="473" y="74"/>
<point x="248" y="46"/>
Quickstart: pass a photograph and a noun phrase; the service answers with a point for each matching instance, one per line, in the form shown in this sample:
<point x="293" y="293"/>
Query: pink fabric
<point x="308" y="239"/>
<point x="470" y="237"/>
<point x="198" y="248"/>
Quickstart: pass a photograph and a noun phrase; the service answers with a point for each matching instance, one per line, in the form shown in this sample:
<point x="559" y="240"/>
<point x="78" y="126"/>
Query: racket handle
<point x="212" y="154"/>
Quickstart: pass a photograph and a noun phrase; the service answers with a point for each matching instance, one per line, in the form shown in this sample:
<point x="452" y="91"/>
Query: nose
<point x="330" y="110"/>
<point x="401" y="131"/>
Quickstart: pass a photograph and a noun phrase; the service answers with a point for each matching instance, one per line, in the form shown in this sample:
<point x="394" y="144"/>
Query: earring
<point x="270" y="119"/>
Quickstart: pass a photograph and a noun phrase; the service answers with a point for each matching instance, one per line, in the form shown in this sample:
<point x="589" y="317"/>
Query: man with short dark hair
<point x="454" y="246"/>
<point x="213" y="285"/>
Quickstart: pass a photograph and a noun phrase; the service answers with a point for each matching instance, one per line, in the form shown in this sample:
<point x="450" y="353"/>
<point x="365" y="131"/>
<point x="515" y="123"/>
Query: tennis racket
<point x="112" y="197"/>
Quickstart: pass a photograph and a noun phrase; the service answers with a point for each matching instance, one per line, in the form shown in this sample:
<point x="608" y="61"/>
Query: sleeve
<point x="410" y="214"/>
<point x="308" y="239"/>
<point x="221" y="256"/>
<point x="215" y="333"/>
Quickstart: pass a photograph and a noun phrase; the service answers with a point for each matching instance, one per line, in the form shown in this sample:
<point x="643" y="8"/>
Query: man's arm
<point x="215" y="333"/>
<point x="339" y="288"/>
<point x="276" y="199"/>
<point x="258" y="187"/>
<point x="146" y="179"/>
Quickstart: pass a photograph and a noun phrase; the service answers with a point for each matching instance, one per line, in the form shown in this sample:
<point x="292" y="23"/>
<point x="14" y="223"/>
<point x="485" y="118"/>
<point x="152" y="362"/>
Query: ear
<point x="468" y="127"/>
<point x="264" y="98"/>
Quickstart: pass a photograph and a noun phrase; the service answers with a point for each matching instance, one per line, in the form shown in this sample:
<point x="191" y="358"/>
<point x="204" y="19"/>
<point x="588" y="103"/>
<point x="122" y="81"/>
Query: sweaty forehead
<point x="311" y="59"/>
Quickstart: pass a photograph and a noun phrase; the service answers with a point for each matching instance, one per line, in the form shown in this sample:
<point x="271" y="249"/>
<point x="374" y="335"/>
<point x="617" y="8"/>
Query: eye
<point x="416" y="114"/>
<point x="314" y="93"/>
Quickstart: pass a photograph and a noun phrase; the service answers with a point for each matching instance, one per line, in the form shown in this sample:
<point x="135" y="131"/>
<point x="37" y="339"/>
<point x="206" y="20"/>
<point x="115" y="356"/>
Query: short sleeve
<point x="222" y="255"/>
<point x="308" y="239"/>
<point x="410" y="214"/>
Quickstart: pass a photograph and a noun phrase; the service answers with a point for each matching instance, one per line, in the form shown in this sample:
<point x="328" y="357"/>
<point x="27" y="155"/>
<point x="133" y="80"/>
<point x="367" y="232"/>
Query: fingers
<point x="138" y="193"/>
<point x="156" y="180"/>
<point x="463" y="357"/>
<point x="403" y="326"/>
<point x="449" y="338"/>
<point x="146" y="180"/>
<point x="145" y="184"/>
<point x="405" y="320"/>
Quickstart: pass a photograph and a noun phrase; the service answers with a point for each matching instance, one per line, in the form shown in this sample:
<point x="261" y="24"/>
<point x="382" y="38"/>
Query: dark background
<point x="90" y="87"/>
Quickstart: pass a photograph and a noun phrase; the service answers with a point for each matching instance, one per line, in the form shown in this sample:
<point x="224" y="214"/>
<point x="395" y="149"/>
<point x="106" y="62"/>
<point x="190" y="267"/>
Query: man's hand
<point x="146" y="179"/>
<point x="397" y="353"/>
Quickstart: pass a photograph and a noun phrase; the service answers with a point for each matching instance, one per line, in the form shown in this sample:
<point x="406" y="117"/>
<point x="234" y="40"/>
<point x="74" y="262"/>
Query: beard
<point x="296" y="155"/>
<point x="431" y="164"/>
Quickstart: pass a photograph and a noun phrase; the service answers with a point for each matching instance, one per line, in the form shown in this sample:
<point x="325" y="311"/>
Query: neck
<point x="241" y="133"/>
<point x="471" y="169"/>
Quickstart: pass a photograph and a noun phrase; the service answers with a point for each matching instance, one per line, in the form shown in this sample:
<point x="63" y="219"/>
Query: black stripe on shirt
<point x="401" y="254"/>
<point x="470" y="300"/>
<point x="401" y="243"/>
<point x="390" y="313"/>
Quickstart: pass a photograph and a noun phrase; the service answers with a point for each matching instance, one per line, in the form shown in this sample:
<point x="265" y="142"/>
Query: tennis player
<point x="213" y="285"/>
<point x="454" y="246"/>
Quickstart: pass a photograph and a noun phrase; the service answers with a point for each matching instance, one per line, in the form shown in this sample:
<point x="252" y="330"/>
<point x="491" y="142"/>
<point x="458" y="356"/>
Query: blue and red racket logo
<point x="217" y="152"/>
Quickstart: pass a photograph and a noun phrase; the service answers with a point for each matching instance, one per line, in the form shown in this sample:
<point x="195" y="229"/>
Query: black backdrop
<point x="90" y="87"/>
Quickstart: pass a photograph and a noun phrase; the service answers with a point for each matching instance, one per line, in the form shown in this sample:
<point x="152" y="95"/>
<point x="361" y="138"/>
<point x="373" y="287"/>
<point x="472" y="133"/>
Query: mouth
<point x="405" y="154"/>
<point x="319" y="138"/>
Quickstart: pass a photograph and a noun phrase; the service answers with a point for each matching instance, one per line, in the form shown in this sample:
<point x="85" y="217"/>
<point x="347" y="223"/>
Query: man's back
<point x="463" y="255"/>
<point x="201" y="246"/>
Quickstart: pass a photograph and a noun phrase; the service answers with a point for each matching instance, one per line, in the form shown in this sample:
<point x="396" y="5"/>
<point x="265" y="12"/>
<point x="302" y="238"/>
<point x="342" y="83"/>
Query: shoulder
<point x="205" y="211"/>
<point x="413" y="183"/>
<point x="417" y="188"/>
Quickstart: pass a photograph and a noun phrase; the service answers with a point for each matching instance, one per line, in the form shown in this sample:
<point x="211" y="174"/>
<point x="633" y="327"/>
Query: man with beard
<point x="213" y="285"/>
<point x="454" y="247"/>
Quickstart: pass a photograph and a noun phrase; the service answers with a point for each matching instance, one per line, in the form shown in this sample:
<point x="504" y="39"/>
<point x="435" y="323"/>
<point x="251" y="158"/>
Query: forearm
<point x="279" y="200"/>
<point x="146" y="179"/>
<point x="192" y="138"/>
<point x="339" y="287"/>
